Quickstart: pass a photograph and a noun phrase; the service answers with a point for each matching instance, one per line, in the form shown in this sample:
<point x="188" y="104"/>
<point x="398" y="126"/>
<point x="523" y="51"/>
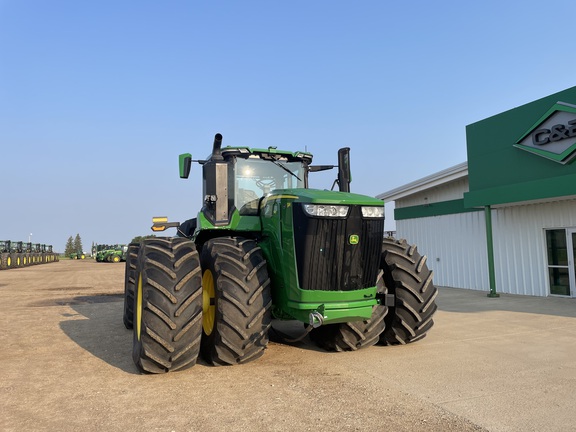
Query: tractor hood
<point x="317" y="196"/>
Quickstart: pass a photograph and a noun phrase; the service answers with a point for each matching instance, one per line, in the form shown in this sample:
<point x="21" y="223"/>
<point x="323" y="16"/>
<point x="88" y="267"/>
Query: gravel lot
<point x="66" y="365"/>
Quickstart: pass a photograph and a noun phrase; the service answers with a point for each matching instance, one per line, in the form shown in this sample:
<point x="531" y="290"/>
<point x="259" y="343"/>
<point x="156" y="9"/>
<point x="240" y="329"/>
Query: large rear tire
<point x="167" y="305"/>
<point x="130" y="275"/>
<point x="354" y="335"/>
<point x="237" y="301"/>
<point x="407" y="277"/>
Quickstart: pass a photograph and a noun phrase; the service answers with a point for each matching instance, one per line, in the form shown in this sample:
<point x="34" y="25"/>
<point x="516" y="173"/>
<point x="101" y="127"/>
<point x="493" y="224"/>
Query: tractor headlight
<point x="372" y="212"/>
<point x="326" y="210"/>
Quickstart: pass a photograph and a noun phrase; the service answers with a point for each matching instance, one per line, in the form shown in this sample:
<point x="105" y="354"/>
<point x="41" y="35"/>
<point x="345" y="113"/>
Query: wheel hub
<point x="208" y="303"/>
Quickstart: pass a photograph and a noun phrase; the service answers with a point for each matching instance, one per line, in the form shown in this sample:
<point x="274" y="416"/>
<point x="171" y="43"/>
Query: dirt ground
<point x="66" y="365"/>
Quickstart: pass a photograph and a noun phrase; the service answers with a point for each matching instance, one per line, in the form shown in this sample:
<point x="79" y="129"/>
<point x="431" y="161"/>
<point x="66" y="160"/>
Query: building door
<point x="561" y="249"/>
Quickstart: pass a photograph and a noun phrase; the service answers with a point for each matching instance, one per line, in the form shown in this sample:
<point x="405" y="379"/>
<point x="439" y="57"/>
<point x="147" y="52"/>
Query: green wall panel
<point x="500" y="173"/>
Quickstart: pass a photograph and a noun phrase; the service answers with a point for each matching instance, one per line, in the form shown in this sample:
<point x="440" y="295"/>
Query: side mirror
<point x="344" y="174"/>
<point x="185" y="162"/>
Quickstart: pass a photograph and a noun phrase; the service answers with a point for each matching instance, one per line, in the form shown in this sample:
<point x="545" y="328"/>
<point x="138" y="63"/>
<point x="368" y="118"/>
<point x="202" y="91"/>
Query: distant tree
<point x="138" y="239"/>
<point x="78" y="244"/>
<point x="69" y="246"/>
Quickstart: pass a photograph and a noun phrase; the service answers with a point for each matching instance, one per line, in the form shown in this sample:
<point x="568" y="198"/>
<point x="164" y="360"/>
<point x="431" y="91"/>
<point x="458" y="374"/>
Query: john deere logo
<point x="553" y="136"/>
<point x="354" y="239"/>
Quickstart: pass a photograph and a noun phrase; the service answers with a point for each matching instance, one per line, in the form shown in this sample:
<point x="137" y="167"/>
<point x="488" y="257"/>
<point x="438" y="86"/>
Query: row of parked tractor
<point x="110" y="253"/>
<point x="14" y="254"/>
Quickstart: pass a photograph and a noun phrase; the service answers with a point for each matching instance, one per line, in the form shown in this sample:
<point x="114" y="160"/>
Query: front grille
<point x="327" y="261"/>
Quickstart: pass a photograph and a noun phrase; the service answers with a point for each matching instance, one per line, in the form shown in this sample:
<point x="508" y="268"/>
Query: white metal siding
<point x="456" y="246"/>
<point x="445" y="192"/>
<point x="520" y="244"/>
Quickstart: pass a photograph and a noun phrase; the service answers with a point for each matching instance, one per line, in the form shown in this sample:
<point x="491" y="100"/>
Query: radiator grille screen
<point x="326" y="258"/>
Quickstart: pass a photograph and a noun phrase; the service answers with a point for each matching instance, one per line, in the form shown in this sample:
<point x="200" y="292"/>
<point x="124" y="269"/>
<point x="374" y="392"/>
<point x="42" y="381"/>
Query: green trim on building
<point x="553" y="187"/>
<point x="433" y="209"/>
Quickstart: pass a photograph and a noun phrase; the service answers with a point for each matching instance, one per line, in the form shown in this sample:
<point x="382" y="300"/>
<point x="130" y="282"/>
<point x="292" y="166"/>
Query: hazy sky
<point x="98" y="98"/>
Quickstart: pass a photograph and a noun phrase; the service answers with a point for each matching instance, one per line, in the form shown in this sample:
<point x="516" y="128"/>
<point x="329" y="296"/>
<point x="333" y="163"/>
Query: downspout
<point x="490" y="250"/>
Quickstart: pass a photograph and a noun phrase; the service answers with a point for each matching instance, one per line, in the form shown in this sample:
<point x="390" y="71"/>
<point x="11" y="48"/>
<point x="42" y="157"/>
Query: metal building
<point x="505" y="221"/>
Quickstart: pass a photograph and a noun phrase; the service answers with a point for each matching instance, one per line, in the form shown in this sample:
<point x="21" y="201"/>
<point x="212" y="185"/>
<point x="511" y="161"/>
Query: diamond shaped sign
<point x="553" y="136"/>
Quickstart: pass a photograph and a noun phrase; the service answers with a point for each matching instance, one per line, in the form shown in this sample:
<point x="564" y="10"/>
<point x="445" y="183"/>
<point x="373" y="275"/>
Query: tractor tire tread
<point x="244" y="302"/>
<point x="171" y="319"/>
<point x="407" y="277"/>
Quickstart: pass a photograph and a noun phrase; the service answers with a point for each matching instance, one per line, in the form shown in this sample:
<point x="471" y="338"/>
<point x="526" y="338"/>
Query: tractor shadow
<point x="96" y="326"/>
<point x="292" y="333"/>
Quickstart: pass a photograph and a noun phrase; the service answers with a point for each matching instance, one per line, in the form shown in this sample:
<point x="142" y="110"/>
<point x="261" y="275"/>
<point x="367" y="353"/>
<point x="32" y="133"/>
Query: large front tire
<point x="354" y="335"/>
<point x="237" y="301"/>
<point x="407" y="277"/>
<point x="167" y="305"/>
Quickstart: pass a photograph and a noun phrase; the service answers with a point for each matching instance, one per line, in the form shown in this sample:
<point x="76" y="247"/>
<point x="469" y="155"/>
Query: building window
<point x="561" y="250"/>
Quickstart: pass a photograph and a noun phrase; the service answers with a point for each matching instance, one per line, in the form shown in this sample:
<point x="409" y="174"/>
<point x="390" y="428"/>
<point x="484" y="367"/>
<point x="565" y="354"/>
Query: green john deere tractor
<point x="6" y="257"/>
<point x="264" y="246"/>
<point x="102" y="251"/>
<point x="77" y="255"/>
<point x="115" y="255"/>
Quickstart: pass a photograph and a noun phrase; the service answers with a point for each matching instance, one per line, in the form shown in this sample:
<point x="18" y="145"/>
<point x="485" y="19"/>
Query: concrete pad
<point x="507" y="363"/>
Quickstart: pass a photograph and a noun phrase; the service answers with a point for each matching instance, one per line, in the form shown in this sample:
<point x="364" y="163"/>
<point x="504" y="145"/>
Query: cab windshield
<point x="256" y="177"/>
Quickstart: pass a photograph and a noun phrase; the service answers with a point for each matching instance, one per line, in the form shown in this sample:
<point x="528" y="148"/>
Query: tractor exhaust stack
<point x="217" y="148"/>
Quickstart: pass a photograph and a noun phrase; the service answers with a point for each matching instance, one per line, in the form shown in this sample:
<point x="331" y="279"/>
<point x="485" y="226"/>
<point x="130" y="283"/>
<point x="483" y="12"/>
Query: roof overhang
<point x="442" y="177"/>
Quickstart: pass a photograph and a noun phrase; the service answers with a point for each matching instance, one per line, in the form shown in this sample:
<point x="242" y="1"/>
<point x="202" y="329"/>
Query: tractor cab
<point x="257" y="175"/>
<point x="17" y="247"/>
<point x="5" y="246"/>
<point x="236" y="178"/>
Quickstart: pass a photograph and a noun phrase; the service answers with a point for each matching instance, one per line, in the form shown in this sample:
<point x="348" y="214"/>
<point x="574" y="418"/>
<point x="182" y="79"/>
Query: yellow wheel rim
<point x="139" y="307"/>
<point x="208" y="303"/>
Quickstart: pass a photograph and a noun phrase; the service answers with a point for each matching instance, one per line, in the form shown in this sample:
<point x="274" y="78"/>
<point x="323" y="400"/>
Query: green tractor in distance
<point x="27" y="250"/>
<point x="114" y="255"/>
<point x="51" y="255"/>
<point x="36" y="253"/>
<point x="100" y="251"/>
<point x="78" y="255"/>
<point x="6" y="257"/>
<point x="264" y="245"/>
<point x="17" y="249"/>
